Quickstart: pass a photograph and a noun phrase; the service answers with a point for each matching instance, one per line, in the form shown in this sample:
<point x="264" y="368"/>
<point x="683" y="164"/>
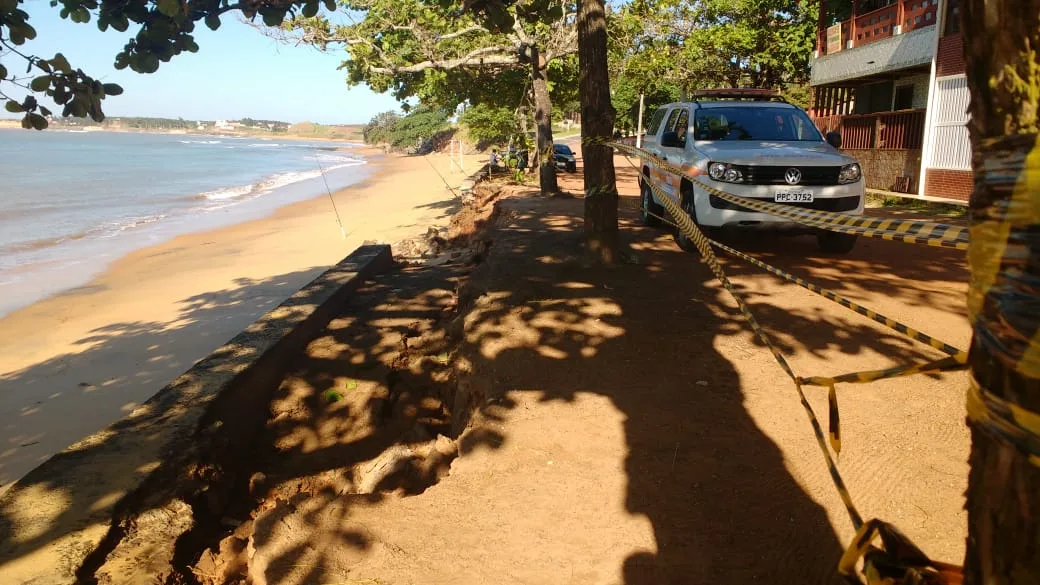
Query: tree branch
<point x="486" y="55"/>
<point x="459" y="33"/>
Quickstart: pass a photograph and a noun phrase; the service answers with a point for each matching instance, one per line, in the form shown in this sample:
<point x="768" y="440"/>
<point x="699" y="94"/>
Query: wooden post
<point x="900" y="15"/>
<point x="639" y="123"/>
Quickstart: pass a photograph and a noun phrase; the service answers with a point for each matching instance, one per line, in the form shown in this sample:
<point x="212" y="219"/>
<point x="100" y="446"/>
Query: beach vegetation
<point x="420" y="130"/>
<point x="488" y="124"/>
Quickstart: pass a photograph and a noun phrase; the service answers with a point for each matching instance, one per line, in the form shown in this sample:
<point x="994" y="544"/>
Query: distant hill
<point x="312" y="130"/>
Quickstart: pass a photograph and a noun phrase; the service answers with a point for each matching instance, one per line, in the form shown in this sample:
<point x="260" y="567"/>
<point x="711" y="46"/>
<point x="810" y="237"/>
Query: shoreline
<point x="78" y="360"/>
<point x="263" y="136"/>
<point x="34" y="267"/>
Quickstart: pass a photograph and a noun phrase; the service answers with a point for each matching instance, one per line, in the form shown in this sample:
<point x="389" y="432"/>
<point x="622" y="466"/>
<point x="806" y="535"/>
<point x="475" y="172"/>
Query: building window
<point x="953" y="18"/>
<point x="884" y="28"/>
<point x="927" y="15"/>
<point x="904" y="98"/>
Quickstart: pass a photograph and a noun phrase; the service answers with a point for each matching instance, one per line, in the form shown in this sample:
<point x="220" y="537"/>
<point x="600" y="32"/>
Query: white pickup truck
<point x="753" y="144"/>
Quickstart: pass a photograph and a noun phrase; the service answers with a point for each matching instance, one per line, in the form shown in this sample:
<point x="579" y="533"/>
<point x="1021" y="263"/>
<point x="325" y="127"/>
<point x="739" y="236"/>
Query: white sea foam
<point x="277" y="181"/>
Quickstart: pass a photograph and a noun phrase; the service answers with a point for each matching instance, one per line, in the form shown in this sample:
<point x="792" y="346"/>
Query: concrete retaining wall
<point x="116" y="506"/>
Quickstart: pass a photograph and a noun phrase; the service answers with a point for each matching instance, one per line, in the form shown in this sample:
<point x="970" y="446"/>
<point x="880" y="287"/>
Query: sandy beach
<point x="77" y="361"/>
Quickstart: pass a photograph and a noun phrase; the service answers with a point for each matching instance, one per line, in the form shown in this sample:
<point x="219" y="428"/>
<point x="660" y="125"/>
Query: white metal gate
<point x="951" y="146"/>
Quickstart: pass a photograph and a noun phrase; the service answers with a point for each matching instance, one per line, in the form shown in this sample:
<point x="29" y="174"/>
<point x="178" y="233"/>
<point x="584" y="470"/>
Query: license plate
<point x="793" y="197"/>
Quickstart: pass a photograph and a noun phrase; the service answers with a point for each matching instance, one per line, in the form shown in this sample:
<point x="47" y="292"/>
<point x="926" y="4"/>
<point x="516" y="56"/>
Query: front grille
<point x="770" y="175"/>
<point x="833" y="204"/>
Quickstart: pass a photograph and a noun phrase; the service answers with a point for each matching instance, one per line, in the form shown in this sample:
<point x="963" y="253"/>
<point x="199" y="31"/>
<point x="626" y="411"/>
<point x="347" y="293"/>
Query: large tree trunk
<point x="602" y="240"/>
<point x="543" y="125"/>
<point x="1002" y="38"/>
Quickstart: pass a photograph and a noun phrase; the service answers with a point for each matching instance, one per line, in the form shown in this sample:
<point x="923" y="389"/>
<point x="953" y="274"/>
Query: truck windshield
<point x="754" y="123"/>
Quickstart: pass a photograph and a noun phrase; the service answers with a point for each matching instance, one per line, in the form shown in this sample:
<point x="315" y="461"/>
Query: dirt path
<point x="629" y="428"/>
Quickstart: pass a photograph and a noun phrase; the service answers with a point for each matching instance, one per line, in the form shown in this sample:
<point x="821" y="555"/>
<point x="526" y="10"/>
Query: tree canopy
<point x="663" y="48"/>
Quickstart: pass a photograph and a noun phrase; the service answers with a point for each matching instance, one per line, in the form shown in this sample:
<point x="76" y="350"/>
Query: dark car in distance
<point x="565" y="158"/>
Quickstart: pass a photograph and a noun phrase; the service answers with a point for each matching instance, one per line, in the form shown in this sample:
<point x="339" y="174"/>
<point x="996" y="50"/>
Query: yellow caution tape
<point x="910" y="232"/>
<point x="907" y="231"/>
<point x="899" y="561"/>
<point x="1005" y="421"/>
<point x="690" y="229"/>
<point x="948" y="364"/>
<point x="835" y="297"/>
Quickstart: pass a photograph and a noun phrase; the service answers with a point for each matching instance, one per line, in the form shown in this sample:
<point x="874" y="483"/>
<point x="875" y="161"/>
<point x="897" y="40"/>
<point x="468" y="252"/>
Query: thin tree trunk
<point x="1001" y="40"/>
<point x="602" y="240"/>
<point x="543" y="125"/>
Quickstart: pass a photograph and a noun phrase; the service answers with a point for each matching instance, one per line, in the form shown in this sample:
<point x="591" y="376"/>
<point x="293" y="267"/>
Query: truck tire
<point x="646" y="204"/>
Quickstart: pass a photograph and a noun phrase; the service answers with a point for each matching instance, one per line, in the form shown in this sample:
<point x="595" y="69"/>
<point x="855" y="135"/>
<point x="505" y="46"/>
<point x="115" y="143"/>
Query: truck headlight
<point x="849" y="174"/>
<point x="725" y="173"/>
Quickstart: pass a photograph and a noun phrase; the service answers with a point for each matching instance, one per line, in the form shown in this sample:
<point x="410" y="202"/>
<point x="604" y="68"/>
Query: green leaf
<point x="169" y="7"/>
<point x="148" y="64"/>
<point x="112" y="89"/>
<point x="3" y="72"/>
<point x="331" y="396"/>
<point x="310" y="9"/>
<point x="45" y="111"/>
<point x="330" y="5"/>
<point x="41" y="83"/>
<point x="37" y="121"/>
<point x="8" y="5"/>
<point x="351" y="385"/>
<point x="26" y="122"/>
<point x="274" y="17"/>
<point x="14" y="107"/>
<point x="213" y="21"/>
<point x="60" y="63"/>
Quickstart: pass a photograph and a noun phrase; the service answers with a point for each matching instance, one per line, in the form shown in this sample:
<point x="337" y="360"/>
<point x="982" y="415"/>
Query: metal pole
<point x="639" y="123"/>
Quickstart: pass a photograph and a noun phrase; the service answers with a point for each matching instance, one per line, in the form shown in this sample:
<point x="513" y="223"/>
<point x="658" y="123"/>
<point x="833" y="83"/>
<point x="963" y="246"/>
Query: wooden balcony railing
<point x="902" y="130"/>
<point x="862" y="29"/>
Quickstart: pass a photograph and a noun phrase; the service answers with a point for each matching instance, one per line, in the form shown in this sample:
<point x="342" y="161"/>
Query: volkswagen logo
<point x="793" y="176"/>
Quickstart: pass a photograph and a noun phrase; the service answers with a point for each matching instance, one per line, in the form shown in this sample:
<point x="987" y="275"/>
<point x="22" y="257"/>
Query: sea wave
<point x="200" y="141"/>
<point x="109" y="229"/>
<point x="275" y="181"/>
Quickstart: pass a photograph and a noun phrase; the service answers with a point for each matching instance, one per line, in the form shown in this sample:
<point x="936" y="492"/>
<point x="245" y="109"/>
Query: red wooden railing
<point x="902" y="130"/>
<point x="866" y="28"/>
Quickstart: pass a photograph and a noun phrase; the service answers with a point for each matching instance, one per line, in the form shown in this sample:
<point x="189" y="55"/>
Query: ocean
<point x="72" y="202"/>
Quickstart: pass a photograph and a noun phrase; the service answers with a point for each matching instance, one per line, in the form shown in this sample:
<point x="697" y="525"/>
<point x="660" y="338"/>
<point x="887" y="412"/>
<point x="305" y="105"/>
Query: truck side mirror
<point x="834" y="139"/>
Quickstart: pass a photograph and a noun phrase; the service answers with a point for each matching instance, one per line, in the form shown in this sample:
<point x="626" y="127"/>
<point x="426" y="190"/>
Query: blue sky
<point x="237" y="73"/>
